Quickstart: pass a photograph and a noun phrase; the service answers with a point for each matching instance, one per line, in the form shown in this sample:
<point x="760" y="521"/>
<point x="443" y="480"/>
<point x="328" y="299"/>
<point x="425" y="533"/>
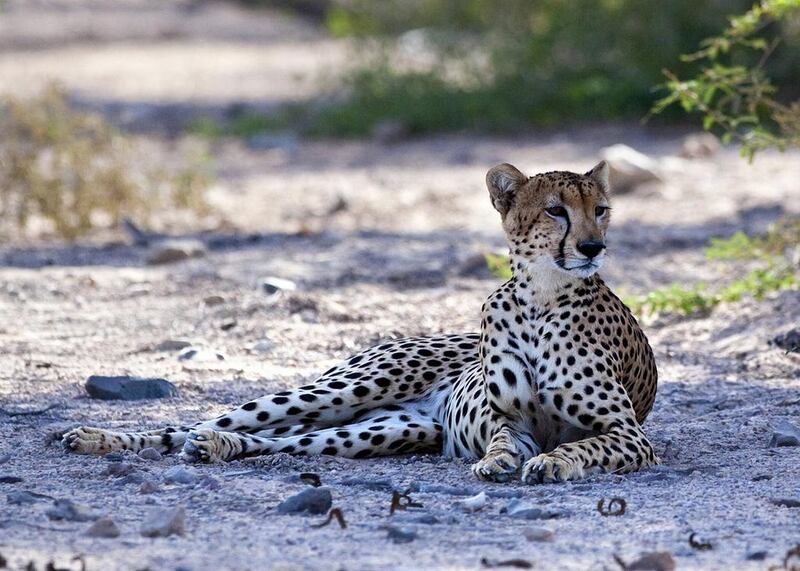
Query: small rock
<point x="756" y="556"/>
<point x="180" y="475"/>
<point x="70" y="511"/>
<point x="699" y="146"/>
<point x="521" y="510"/>
<point x="114" y="457"/>
<point x="200" y="355"/>
<point x="538" y="534"/>
<point x="656" y="561"/>
<point x="149" y="453"/>
<point x="129" y="388"/>
<point x="427" y="519"/>
<point x="149" y="487"/>
<point x="474" y="503"/>
<point x="263" y="346"/>
<point x="784" y="433"/>
<point x="213" y="300"/>
<point x="628" y="168"/>
<point x="24" y="497"/>
<point x="172" y="251"/>
<point x="399" y="535"/>
<point x="271" y="285"/>
<point x="173" y="345"/>
<point x="228" y="325"/>
<point x="103" y="527"/>
<point x="10" y="480"/>
<point x="5" y="458"/>
<point x="788" y="341"/>
<point x="210" y="483"/>
<point x="312" y="500"/>
<point x="786" y="502"/>
<point x="119" y="469"/>
<point x="165" y="522"/>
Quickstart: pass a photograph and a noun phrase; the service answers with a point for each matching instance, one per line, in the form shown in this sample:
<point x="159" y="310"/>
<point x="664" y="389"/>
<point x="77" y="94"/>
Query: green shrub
<point x="73" y="171"/>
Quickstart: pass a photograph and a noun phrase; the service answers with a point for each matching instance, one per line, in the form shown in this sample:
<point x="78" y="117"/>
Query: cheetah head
<point x="555" y="221"/>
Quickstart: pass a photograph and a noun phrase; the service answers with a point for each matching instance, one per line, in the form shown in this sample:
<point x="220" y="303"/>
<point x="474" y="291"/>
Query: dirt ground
<point x="383" y="240"/>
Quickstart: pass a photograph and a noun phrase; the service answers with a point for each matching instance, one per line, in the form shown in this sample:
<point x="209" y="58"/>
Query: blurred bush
<point x="69" y="172"/>
<point x="481" y="64"/>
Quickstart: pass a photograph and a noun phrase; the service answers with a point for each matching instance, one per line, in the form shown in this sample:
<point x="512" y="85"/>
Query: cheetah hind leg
<point x="405" y="428"/>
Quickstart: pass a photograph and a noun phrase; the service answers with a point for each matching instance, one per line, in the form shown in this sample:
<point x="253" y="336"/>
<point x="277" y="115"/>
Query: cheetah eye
<point x="556" y="211"/>
<point x="600" y="210"/>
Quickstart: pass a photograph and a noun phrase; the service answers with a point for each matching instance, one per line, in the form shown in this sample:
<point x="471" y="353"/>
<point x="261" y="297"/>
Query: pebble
<point x="149" y="487"/>
<point x="473" y="504"/>
<point x="149" y="453"/>
<point x="129" y="388"/>
<point x="262" y="346"/>
<point x="103" y="527"/>
<point x="180" y="475"/>
<point x="10" y="480"/>
<point x="399" y="535"/>
<point x="200" y="355"/>
<point x="784" y="433"/>
<point x="756" y="556"/>
<point x="788" y="341"/>
<point x="5" y="458"/>
<point x="119" y="469"/>
<point x="521" y="510"/>
<point x="114" y="457"/>
<point x="172" y="251"/>
<point x="134" y="478"/>
<point x="628" y="168"/>
<point x="786" y="502"/>
<point x="656" y="561"/>
<point x="538" y="534"/>
<point x="213" y="300"/>
<point x="312" y="500"/>
<point x="24" y="497"/>
<point x="68" y="510"/>
<point x="165" y="522"/>
<point x="272" y="285"/>
<point x="173" y="345"/>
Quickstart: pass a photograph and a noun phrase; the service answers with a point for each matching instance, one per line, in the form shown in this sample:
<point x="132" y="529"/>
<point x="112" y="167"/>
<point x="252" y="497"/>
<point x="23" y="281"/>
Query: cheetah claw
<point x="87" y="440"/>
<point x="205" y="445"/>
<point x="496" y="467"/>
<point x="547" y="469"/>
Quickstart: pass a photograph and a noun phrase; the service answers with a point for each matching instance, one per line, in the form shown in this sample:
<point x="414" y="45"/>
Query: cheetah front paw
<point x="496" y="467"/>
<point x="206" y="445"/>
<point x="549" y="468"/>
<point x="88" y="440"/>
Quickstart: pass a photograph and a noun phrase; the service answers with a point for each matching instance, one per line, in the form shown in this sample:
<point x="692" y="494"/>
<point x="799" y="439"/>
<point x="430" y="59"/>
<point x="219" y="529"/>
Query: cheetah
<point x="554" y="387"/>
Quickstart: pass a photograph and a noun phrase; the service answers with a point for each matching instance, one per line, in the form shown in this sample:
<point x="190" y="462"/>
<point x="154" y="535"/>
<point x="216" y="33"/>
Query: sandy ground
<point x="383" y="241"/>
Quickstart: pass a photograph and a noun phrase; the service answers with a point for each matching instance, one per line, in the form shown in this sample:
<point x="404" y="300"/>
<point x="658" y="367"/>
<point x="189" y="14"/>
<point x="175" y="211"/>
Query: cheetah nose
<point x="590" y="248"/>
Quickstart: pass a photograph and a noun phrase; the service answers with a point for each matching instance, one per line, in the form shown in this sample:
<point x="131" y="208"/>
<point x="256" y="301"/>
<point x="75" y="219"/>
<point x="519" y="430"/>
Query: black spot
<point x="510" y="377"/>
<point x="250" y="406"/>
<point x="225" y="421"/>
<point x="361" y="391"/>
<point x="307" y="397"/>
<point x="279" y="400"/>
<point x="262" y="416"/>
<point x="377" y="439"/>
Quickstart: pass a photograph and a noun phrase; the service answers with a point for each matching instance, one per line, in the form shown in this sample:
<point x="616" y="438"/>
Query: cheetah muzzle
<point x="555" y="386"/>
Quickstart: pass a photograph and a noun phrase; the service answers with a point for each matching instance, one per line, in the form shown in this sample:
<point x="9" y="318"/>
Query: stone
<point x="656" y="561"/>
<point x="149" y="453"/>
<point x="474" y="503"/>
<point x="213" y="300"/>
<point x="180" y="475"/>
<point x="786" y="502"/>
<point x="171" y="251"/>
<point x="788" y="341"/>
<point x="149" y="487"/>
<point x="262" y="346"/>
<point x="119" y="469"/>
<point x="103" y="527"/>
<point x="628" y="168"/>
<point x="272" y="285"/>
<point x="311" y="500"/>
<point x="173" y="345"/>
<point x="11" y="480"/>
<point x="538" y="534"/>
<point x="67" y="510"/>
<point x="521" y="510"/>
<point x="200" y="355"/>
<point x="756" y="556"/>
<point x="699" y="146"/>
<point x="165" y="522"/>
<point x="129" y="388"/>
<point x="5" y="458"/>
<point x="399" y="535"/>
<point x="24" y="497"/>
<point x="784" y="433"/>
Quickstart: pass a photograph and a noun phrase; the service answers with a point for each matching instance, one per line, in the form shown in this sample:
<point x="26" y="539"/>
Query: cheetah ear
<point x="503" y="181"/>
<point x="600" y="175"/>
